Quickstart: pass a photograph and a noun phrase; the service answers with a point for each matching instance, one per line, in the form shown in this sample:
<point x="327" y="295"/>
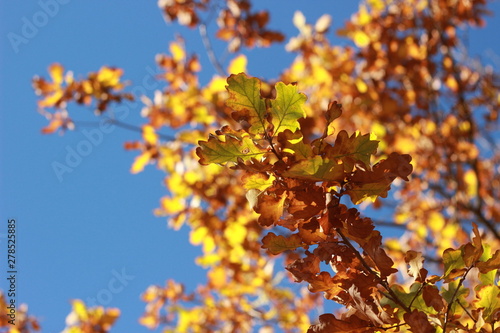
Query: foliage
<point x="290" y="174"/>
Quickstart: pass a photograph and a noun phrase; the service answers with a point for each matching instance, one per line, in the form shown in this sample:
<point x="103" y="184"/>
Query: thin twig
<point x="210" y="51"/>
<point x="122" y="125"/>
<point x="448" y="309"/>
<point x="383" y="282"/>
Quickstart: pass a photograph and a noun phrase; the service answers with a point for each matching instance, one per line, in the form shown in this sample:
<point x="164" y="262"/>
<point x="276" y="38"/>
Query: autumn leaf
<point x="489" y="301"/>
<point x="246" y="100"/>
<point x="415" y="261"/>
<point x="316" y="169"/>
<point x="259" y="181"/>
<point x="418" y="322"/>
<point x="432" y="297"/>
<point x="270" y="208"/>
<point x="286" y="109"/>
<point x="364" y="184"/>
<point x="293" y="143"/>
<point x="493" y="263"/>
<point x="328" y="323"/>
<point x="453" y="264"/>
<point x="354" y="149"/>
<point x="231" y="149"/>
<point x="277" y="244"/>
<point x="471" y="252"/>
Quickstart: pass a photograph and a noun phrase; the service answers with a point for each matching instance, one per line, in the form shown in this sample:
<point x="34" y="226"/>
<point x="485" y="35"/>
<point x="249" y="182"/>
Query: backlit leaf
<point x="270" y="208"/>
<point x="277" y="244"/>
<point x="419" y="322"/>
<point x="287" y="108"/>
<point x="246" y="100"/>
<point x="355" y="148"/>
<point x="316" y="169"/>
<point x="216" y="151"/>
<point x="453" y="263"/>
<point x="257" y="181"/>
<point x="489" y="301"/>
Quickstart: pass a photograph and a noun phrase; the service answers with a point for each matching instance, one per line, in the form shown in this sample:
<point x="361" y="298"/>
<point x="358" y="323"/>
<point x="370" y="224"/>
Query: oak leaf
<point x="229" y="149"/>
<point x="354" y="149"/>
<point x="287" y="108"/>
<point x="245" y="98"/>
<point x="277" y="244"/>
<point x="418" y="322"/>
<point x="316" y="169"/>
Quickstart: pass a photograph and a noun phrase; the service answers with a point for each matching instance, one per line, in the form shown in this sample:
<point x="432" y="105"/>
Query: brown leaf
<point x="329" y="324"/>
<point x="270" y="208"/>
<point x="277" y="244"/>
<point x="433" y="298"/>
<point x="418" y="322"/>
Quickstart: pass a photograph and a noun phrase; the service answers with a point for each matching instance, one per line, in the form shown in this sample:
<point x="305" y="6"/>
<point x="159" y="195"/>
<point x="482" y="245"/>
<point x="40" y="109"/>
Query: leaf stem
<point x="448" y="308"/>
<point x="383" y="282"/>
<point x="210" y="51"/>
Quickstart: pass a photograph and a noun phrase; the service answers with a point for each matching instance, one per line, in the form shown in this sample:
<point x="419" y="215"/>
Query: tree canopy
<point x="291" y="185"/>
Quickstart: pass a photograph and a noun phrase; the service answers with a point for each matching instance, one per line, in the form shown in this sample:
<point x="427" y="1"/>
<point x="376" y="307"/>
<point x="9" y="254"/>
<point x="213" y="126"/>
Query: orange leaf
<point x="277" y="244"/>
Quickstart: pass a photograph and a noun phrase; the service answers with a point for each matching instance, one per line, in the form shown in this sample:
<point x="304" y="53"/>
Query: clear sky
<point x="77" y="234"/>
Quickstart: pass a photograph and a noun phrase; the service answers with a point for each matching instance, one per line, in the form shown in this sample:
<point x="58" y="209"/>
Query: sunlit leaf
<point x="216" y="151"/>
<point x="258" y="181"/>
<point x="277" y="244"/>
<point x="316" y="169"/>
<point x="246" y="100"/>
<point x="287" y="108"/>
<point x="489" y="301"/>
<point x="453" y="263"/>
<point x="355" y="148"/>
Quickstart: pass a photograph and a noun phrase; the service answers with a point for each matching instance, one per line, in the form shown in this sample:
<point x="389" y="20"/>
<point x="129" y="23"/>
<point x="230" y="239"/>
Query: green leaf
<point x="277" y="244"/>
<point x="246" y="100"/>
<point x="229" y="149"/>
<point x="287" y="108"/>
<point x="353" y="149"/>
<point x="453" y="264"/>
<point x="316" y="169"/>
<point x="292" y="143"/>
<point x="361" y="192"/>
<point x="257" y="181"/>
<point x="489" y="301"/>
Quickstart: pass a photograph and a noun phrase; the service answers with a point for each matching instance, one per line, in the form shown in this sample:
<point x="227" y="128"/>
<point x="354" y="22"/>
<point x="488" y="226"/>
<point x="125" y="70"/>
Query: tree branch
<point x="210" y="50"/>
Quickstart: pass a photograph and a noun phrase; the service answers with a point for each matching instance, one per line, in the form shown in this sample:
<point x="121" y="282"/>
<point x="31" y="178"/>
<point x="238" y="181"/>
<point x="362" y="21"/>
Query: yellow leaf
<point x="56" y="73"/>
<point x="172" y="205"/>
<point x="361" y="85"/>
<point x="80" y="310"/>
<point x="52" y="99"/>
<point x="258" y="181"/>
<point x="360" y="38"/>
<point x="363" y="16"/>
<point x="110" y="76"/>
<point x="149" y="135"/>
<point x="217" y="277"/>
<point x="177" y="51"/>
<point x="235" y="234"/>
<point x="436" y="221"/>
<point x="140" y="162"/>
<point x="471" y="182"/>
<point x="150" y="321"/>
<point x="451" y="83"/>
<point x="238" y="65"/>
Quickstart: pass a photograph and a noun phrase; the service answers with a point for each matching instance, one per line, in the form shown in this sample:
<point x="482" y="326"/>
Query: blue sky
<point x="77" y="235"/>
